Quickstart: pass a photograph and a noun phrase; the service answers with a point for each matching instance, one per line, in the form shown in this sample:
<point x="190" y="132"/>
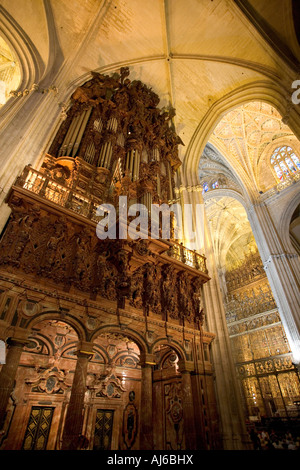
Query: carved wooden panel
<point x="130" y="424"/>
<point x="174" y="435"/>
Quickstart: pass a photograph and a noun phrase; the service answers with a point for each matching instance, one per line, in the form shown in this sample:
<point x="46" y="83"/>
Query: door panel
<point x="38" y="428"/>
<point x="103" y="429"/>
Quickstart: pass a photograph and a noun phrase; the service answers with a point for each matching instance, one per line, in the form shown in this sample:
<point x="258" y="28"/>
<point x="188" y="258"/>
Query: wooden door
<point x="103" y="429"/>
<point x="38" y="428"/>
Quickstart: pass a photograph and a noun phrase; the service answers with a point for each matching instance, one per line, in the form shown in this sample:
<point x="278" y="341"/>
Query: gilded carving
<point x="174" y="415"/>
<point x="169" y="297"/>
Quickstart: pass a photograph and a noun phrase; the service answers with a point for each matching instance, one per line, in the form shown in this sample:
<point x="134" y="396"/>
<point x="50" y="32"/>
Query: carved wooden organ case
<point x="113" y="141"/>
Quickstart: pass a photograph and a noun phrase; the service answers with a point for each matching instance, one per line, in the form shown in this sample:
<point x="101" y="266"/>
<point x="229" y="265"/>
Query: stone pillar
<point x="282" y="271"/>
<point x="75" y="412"/>
<point x="8" y="374"/>
<point x="146" y="419"/>
<point x="234" y="434"/>
<point x="188" y="406"/>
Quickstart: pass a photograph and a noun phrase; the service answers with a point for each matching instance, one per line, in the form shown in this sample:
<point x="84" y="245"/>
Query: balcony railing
<point x="64" y="196"/>
<point x="186" y="256"/>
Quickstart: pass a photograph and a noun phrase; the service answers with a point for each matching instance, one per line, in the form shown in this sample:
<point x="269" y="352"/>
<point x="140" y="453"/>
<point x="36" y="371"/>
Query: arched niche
<point x="294" y="229"/>
<point x="52" y="338"/>
<point x="57" y="316"/>
<point x="115" y="385"/>
<point x="163" y="344"/>
<point x="129" y="336"/>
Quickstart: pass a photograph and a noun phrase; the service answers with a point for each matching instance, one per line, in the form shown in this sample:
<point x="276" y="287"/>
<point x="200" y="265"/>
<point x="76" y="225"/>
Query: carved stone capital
<point x="84" y="348"/>
<point x="147" y="360"/>
<point x="185" y="366"/>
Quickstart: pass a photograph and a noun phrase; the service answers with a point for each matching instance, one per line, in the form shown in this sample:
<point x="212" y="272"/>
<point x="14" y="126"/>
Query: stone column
<point x="8" y="374"/>
<point x="234" y="434"/>
<point x="282" y="269"/>
<point x="146" y="419"/>
<point x="75" y="412"/>
<point x="188" y="406"/>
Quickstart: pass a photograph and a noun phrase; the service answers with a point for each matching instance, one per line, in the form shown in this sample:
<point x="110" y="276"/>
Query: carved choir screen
<point x="269" y="380"/>
<point x="46" y="376"/>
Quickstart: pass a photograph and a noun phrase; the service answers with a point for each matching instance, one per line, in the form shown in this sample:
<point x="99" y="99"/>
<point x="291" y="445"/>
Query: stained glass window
<point x="215" y="185"/>
<point x="285" y="162"/>
<point x="205" y="187"/>
<point x="278" y="172"/>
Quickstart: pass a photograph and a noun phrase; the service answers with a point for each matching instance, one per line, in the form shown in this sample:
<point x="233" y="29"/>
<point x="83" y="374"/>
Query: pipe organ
<point x="126" y="137"/>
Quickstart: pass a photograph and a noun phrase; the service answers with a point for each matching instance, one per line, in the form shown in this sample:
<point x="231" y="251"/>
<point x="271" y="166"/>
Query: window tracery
<point x="285" y="162"/>
<point x="209" y="186"/>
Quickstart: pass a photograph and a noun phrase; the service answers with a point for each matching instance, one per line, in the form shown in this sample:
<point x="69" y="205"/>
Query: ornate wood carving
<point x="119" y="107"/>
<point x="174" y="416"/>
<point x="130" y="422"/>
<point x="50" y="244"/>
<point x="50" y="381"/>
<point x="107" y="385"/>
<point x="55" y="248"/>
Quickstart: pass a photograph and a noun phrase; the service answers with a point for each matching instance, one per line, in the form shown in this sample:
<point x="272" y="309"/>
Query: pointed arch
<point x="286" y="215"/>
<point x="264" y="91"/>
<point x="30" y="61"/>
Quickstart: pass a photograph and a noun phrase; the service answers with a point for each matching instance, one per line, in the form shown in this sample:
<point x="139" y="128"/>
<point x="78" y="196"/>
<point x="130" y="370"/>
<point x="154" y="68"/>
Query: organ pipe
<point x="82" y="127"/>
<point x="107" y="156"/>
<point x="90" y="152"/>
<point x="67" y="138"/>
<point x="75" y="133"/>
<point x="105" y="133"/>
<point x="131" y="162"/>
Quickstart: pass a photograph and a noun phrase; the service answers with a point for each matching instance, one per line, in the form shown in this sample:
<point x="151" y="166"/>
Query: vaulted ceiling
<point x="191" y="52"/>
<point x="244" y="140"/>
<point x="232" y="235"/>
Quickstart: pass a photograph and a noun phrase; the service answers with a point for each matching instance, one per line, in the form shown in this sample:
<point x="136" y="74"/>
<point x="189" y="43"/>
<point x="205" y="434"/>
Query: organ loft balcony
<point x="114" y="145"/>
<point x="52" y="234"/>
<point x="74" y="200"/>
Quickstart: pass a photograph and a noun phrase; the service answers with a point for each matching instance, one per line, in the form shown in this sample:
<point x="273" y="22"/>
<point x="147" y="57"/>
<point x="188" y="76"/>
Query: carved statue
<point x="169" y="294"/>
